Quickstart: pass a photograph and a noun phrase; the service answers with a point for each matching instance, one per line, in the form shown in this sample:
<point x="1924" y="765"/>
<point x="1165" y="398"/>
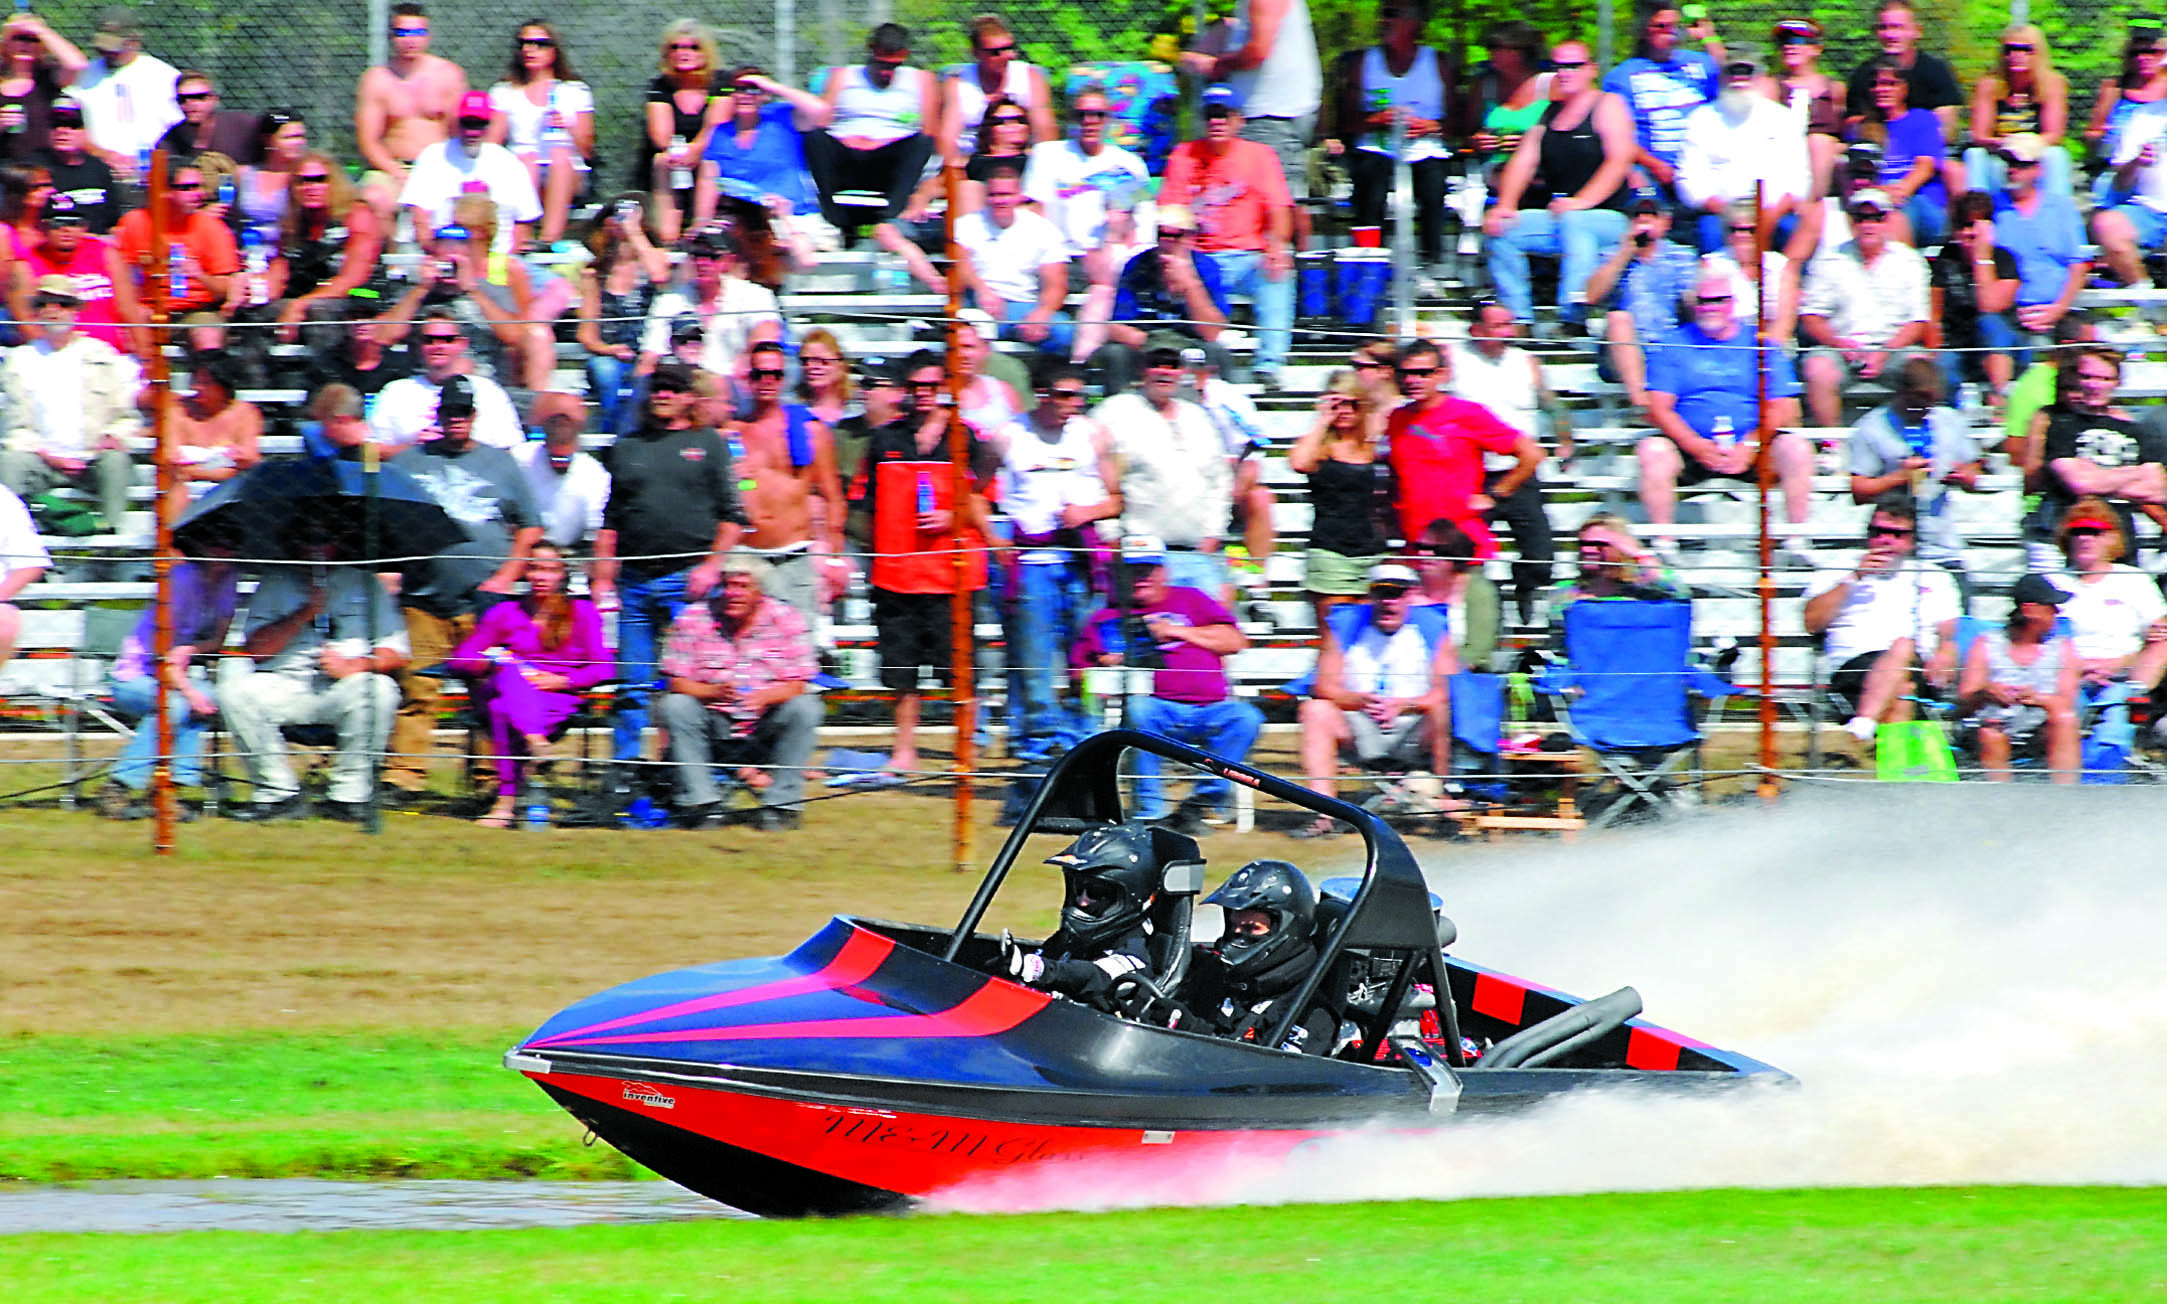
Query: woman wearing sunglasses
<point x="328" y="244"/>
<point x="544" y="114"/>
<point x="685" y="107"/>
<point x="2021" y="94"/>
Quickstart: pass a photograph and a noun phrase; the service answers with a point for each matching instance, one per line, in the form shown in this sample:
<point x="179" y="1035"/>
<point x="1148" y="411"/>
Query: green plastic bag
<point x="1913" y="751"/>
<point x="66" y="517"/>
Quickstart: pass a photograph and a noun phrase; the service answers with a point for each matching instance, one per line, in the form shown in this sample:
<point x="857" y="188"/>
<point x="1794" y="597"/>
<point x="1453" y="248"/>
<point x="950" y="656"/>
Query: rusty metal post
<point x="164" y="487"/>
<point x="1766" y="787"/>
<point x="962" y="668"/>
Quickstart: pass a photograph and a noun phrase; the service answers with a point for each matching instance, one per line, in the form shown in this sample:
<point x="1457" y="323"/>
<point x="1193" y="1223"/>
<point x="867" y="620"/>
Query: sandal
<point x="499" y="817"/>
<point x="1323" y="827"/>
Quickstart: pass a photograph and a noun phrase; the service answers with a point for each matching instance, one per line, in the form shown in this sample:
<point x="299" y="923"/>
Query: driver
<point x="1241" y="985"/>
<point x="1112" y="875"/>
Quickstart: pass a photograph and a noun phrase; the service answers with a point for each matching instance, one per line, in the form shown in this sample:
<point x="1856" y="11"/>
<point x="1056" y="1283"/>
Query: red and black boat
<point x="880" y="1063"/>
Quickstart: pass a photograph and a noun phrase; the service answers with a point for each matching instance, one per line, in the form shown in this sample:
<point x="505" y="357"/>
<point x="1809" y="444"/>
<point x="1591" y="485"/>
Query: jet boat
<point x="881" y="1063"/>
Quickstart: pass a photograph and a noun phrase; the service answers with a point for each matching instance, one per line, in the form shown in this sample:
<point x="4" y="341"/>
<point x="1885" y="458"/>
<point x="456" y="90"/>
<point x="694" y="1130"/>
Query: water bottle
<point x="176" y="271"/>
<point x="226" y="192"/>
<point x="142" y="168"/>
<point x="555" y="135"/>
<point x="1725" y="435"/>
<point x="256" y="259"/>
<point x="925" y="494"/>
<point x="537" y="817"/>
<point x="680" y="176"/>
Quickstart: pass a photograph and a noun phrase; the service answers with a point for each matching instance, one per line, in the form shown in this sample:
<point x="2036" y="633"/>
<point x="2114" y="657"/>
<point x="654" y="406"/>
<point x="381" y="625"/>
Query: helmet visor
<point x="1094" y="897"/>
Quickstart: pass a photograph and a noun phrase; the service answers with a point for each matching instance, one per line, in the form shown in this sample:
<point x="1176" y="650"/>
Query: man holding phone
<point x="1642" y="283"/>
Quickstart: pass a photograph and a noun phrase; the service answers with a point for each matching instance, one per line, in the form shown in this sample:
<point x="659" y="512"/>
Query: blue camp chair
<point x="1624" y="694"/>
<point x="1478" y="730"/>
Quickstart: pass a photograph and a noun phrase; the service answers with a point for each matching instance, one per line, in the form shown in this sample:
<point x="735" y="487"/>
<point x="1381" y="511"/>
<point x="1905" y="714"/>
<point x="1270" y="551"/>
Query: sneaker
<point x="294" y="806"/>
<point x="1186" y="821"/>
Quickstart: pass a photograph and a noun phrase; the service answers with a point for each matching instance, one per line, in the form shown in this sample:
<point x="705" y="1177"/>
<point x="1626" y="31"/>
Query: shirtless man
<point x="215" y="431"/>
<point x="778" y="478"/>
<point x="403" y="107"/>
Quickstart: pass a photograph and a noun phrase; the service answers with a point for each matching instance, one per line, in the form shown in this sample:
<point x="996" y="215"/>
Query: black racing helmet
<point x="1281" y="891"/>
<point x="1112" y="874"/>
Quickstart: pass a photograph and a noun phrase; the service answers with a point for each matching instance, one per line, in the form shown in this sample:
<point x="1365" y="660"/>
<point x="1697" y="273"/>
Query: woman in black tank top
<point x="1563" y="191"/>
<point x="1339" y="455"/>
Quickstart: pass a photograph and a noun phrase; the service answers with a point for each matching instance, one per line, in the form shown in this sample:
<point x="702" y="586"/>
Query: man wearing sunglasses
<point x="1437" y="446"/>
<point x="1918" y="443"/>
<point x="1876" y="617"/>
<point x="2044" y="234"/>
<point x="1703" y="400"/>
<point x="1088" y="188"/>
<point x="76" y="172"/>
<point x="879" y="135"/>
<point x="1172" y="290"/>
<point x="785" y="461"/>
<point x="997" y="67"/>
<point x="1265" y="55"/>
<point x="468" y="164"/>
<point x="204" y="126"/>
<point x="1739" y="143"/>
<point x="406" y="410"/>
<point x="209" y="255"/>
<point x="405" y="106"/>
<point x="1245" y="219"/>
<point x="1864" y="309"/>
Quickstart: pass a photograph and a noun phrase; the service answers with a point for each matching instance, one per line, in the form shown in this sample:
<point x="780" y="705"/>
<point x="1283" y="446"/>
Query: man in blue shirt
<point x="1662" y="84"/>
<point x="1704" y="403"/>
<point x="2046" y="237"/>
<point x="1640" y="286"/>
<point x="1173" y="288"/>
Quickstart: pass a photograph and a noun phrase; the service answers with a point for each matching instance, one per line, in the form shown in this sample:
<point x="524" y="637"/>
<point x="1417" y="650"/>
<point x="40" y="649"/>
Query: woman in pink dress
<point x="529" y="661"/>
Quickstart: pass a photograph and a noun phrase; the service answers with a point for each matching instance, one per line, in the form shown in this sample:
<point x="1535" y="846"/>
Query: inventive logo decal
<point x="647" y="1094"/>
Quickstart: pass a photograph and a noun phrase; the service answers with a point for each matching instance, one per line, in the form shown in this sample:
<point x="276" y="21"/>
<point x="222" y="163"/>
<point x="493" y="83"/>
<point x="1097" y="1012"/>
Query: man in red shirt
<point x="92" y="266"/>
<point x="1437" y="447"/>
<point x="1244" y="216"/>
<point x="209" y="256"/>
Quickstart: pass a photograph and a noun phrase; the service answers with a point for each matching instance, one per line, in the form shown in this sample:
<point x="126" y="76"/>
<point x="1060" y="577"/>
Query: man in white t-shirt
<point x="1380" y="699"/>
<point x="1015" y="264"/>
<point x="1088" y="189"/>
<point x="733" y="313"/>
<point x="570" y="487"/>
<point x="2114" y="611"/>
<point x="22" y="560"/>
<point x="446" y="170"/>
<point x="405" y="409"/>
<point x="1877" y="617"/>
<point x="127" y="96"/>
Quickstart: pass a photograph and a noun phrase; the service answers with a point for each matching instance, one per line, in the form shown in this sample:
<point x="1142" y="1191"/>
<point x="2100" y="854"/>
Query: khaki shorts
<point x="1336" y="575"/>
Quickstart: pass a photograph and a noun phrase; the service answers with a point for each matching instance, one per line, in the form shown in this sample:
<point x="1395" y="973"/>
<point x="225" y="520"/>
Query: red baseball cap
<point x="2092" y="521"/>
<point x="475" y="104"/>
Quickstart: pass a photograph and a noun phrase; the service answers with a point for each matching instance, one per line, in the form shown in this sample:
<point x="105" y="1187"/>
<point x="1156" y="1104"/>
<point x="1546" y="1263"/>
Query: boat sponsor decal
<point x="854" y="962"/>
<point x="992" y="1009"/>
<point x="936" y="1137"/>
<point x="1499" y="997"/>
<point x="646" y="1093"/>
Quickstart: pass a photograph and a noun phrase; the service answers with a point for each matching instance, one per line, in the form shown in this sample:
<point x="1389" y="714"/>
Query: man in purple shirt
<point x="1192" y="635"/>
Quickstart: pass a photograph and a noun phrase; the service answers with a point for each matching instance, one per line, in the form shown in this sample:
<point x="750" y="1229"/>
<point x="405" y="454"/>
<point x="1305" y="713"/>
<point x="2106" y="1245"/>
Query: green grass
<point x="272" y="1105"/>
<point x="1844" y="1247"/>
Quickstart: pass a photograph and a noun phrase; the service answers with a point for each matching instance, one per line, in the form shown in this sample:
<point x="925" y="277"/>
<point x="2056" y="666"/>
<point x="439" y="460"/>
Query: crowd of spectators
<point x="732" y="477"/>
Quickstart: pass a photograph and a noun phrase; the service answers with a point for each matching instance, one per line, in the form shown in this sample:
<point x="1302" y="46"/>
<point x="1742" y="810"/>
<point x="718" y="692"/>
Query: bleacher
<point x="849" y="295"/>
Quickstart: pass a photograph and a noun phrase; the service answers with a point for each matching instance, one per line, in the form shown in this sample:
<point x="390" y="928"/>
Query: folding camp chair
<point x="1624" y="694"/>
<point x="1528" y="791"/>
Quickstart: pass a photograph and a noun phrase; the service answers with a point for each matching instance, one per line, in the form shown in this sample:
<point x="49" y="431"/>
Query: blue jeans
<point x="615" y="391"/>
<point x="1242" y="272"/>
<point x="1998" y="333"/>
<point x="1060" y="331"/>
<point x="1929" y="220"/>
<point x="1042" y="615"/>
<point x="1227" y="729"/>
<point x="1197" y="570"/>
<point x="644" y="612"/>
<point x="137" y="699"/>
<point x="1984" y="171"/>
<point x="1579" y="240"/>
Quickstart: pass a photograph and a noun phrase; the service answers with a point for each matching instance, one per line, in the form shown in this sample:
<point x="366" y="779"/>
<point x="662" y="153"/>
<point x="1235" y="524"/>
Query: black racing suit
<point x="1246" y="1008"/>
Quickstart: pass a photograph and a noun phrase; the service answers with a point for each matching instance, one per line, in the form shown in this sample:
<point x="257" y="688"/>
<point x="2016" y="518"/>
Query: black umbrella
<point x="268" y="510"/>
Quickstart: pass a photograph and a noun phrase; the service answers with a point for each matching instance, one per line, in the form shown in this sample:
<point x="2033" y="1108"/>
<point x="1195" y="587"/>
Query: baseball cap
<point x="1798" y="27"/>
<point x="68" y="107"/>
<point x="2088" y="520"/>
<point x="61" y="210"/>
<point x="2024" y="147"/>
<point x="455" y="399"/>
<point x="1743" y="60"/>
<point x="475" y="105"/>
<point x="1176" y="216"/>
<point x="1871" y="197"/>
<point x="978" y="319"/>
<point x="1645" y="200"/>
<point x="684" y="330"/>
<point x="58" y="289"/>
<point x="1143" y="550"/>
<point x="1223" y="98"/>
<point x="116" y="27"/>
<point x="1392" y="575"/>
<point x="2035" y="587"/>
<point x="878" y="370"/>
